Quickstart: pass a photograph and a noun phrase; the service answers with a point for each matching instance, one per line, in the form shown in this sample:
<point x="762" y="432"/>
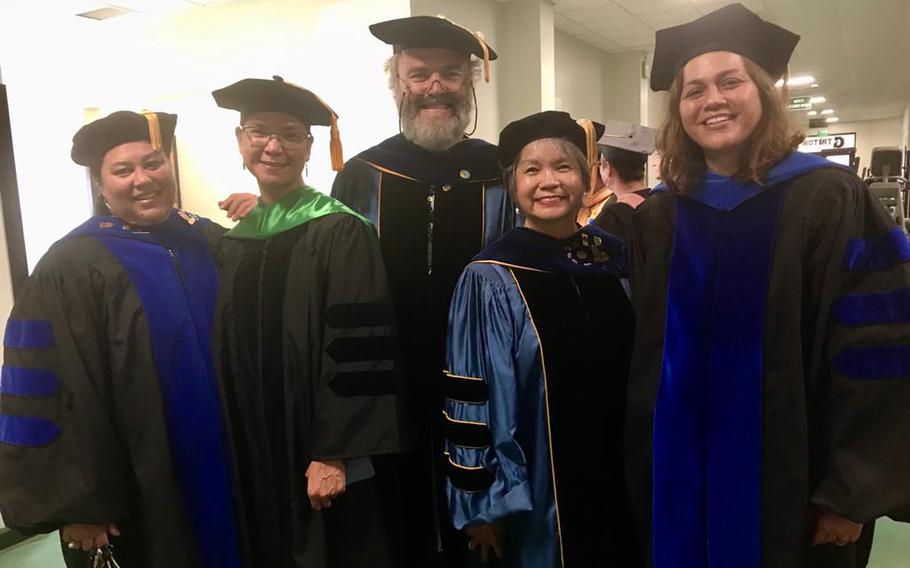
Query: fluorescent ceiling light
<point x="831" y="119"/>
<point x="814" y="85"/>
<point x="797" y="81"/>
<point x="817" y="100"/>
<point x="812" y="113"/>
<point x="828" y="111"/>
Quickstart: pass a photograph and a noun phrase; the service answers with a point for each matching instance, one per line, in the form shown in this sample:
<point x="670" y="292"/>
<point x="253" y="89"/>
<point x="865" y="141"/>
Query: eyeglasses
<point x="287" y="138"/>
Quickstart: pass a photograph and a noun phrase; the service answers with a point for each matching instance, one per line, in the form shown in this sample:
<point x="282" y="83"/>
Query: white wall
<point x="623" y="88"/>
<point x="869" y="133"/>
<point x="172" y="63"/>
<point x="579" y="78"/>
<point x="476" y="15"/>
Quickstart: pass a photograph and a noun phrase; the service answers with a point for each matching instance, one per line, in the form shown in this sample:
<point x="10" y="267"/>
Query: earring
<point x="306" y="169"/>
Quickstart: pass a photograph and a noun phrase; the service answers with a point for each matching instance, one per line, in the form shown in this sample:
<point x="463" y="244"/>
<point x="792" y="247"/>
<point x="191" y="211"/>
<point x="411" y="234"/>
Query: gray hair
<point x="568" y="148"/>
<point x="391" y="69"/>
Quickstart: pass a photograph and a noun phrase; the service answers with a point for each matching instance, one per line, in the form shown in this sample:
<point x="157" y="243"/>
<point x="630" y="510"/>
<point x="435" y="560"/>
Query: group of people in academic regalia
<point x="517" y="355"/>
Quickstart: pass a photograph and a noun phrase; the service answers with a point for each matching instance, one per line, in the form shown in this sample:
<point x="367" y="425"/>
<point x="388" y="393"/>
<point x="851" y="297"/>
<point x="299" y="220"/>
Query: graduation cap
<point x="435" y="31"/>
<point x="629" y="137"/>
<point x="547" y="124"/>
<point x="95" y="139"/>
<point x="250" y="96"/>
<point x="732" y="28"/>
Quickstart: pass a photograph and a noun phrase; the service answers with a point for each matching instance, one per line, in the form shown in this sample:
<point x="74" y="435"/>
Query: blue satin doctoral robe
<point x="538" y="349"/>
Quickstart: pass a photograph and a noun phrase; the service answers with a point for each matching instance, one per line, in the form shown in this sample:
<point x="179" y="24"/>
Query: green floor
<point x="891" y="549"/>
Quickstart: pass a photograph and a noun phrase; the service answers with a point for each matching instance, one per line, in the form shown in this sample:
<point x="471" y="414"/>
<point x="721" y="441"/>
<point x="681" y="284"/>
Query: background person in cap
<point x="308" y="353"/>
<point x="435" y="197"/>
<point x="534" y="432"/>
<point x="110" y="426"/>
<point x="768" y="394"/>
<point x="624" y="150"/>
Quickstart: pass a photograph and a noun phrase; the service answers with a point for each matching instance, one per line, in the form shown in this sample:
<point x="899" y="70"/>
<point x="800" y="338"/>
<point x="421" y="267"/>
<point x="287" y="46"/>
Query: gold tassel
<point x="486" y="55"/>
<point x="335" y="149"/>
<point x="591" y="147"/>
<point x="154" y="130"/>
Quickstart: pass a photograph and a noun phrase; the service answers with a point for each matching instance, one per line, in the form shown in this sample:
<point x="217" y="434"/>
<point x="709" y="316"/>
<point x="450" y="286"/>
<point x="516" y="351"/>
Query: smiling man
<point x="436" y="199"/>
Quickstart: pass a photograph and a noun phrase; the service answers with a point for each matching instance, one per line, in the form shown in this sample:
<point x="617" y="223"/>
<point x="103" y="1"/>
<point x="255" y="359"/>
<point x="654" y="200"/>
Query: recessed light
<point x="812" y="113"/>
<point x="814" y="85"/>
<point x="831" y="119"/>
<point x="828" y="111"/>
<point x="797" y="81"/>
<point x="817" y="100"/>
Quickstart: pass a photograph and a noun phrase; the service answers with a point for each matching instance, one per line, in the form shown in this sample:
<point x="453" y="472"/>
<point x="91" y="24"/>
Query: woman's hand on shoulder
<point x="88" y="537"/>
<point x="239" y="205"/>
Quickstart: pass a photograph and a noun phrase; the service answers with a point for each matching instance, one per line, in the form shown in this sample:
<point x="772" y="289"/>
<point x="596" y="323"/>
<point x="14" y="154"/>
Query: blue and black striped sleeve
<point x="487" y="467"/>
<point x="867" y="359"/>
<point x="59" y="454"/>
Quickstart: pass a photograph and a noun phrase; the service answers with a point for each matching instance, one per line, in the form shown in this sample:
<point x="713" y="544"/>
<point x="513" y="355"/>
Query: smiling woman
<point x="306" y="329"/>
<point x="111" y="430"/>
<point x="534" y="441"/>
<point x="767" y="419"/>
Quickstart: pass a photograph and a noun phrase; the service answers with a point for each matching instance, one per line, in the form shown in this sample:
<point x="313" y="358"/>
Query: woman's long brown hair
<point x="683" y="164"/>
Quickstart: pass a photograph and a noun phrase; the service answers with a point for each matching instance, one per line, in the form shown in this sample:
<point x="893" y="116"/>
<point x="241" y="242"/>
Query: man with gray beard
<point x="436" y="199"/>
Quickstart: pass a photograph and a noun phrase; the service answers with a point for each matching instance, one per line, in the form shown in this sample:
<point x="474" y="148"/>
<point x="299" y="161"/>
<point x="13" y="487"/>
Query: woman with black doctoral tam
<point x="305" y="348"/>
<point x="533" y="424"/>
<point x="110" y="423"/>
<point x="767" y="415"/>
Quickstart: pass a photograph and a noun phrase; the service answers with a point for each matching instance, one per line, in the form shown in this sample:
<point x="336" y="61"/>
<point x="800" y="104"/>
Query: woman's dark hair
<point x="630" y="166"/>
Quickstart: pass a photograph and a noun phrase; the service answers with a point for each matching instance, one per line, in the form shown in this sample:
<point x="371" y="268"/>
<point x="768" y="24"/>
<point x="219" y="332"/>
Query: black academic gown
<point x="433" y="211"/>
<point x="771" y="368"/>
<point x="108" y="403"/>
<point x="616" y="218"/>
<point x="540" y="338"/>
<point x="306" y="353"/>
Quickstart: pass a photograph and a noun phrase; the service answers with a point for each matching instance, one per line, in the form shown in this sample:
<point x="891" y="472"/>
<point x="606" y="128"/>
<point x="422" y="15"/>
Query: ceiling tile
<point x="601" y="11"/>
<point x="566" y="25"/>
<point x="667" y="18"/>
<point x="637" y="6"/>
<point x="616" y="28"/>
<point x="640" y="41"/>
<point x="568" y="5"/>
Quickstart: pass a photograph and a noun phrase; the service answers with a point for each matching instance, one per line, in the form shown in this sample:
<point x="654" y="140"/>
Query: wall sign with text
<point x="817" y="144"/>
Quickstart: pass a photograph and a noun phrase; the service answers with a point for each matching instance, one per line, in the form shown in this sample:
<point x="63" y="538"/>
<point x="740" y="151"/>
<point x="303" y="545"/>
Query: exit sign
<point x="799" y="103"/>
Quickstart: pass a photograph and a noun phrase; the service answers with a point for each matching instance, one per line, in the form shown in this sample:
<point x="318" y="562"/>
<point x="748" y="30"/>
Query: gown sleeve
<point x="60" y="458"/>
<point x="357" y="393"/>
<point x="487" y="468"/>
<point x="860" y="269"/>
